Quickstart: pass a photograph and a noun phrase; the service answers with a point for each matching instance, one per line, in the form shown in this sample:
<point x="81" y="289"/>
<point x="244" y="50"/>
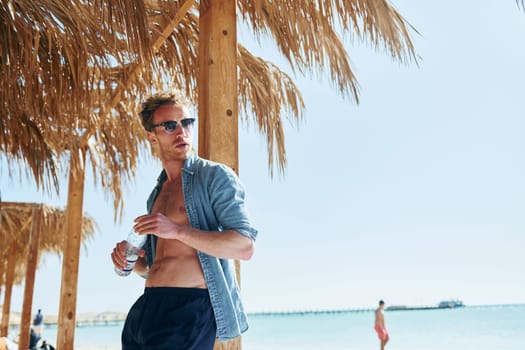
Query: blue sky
<point x="414" y="196"/>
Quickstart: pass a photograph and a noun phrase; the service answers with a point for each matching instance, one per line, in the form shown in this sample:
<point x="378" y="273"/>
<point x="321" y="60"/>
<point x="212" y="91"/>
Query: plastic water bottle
<point x="134" y="243"/>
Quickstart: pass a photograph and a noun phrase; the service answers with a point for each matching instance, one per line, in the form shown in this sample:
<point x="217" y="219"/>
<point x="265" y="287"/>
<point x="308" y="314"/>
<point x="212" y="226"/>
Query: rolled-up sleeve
<point x="228" y="201"/>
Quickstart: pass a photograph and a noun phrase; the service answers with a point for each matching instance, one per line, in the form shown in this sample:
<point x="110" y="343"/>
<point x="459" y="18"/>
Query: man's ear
<point x="151" y="137"/>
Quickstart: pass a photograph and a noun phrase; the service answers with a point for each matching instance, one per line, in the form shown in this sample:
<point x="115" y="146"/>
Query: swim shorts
<point x="381" y="332"/>
<point x="170" y="318"/>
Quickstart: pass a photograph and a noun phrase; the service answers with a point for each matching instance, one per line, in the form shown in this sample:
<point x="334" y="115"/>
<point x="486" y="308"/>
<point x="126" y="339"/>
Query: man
<point x="380" y="326"/>
<point x="197" y="222"/>
<point x="38" y="322"/>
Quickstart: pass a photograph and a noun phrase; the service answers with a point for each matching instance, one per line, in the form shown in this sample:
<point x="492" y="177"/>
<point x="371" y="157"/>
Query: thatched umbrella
<point x="12" y="269"/>
<point x="80" y="60"/>
<point x="29" y="230"/>
<point x="74" y="71"/>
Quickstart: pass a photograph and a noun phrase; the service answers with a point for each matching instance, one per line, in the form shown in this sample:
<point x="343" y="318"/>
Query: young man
<point x="197" y="222"/>
<point x="380" y="326"/>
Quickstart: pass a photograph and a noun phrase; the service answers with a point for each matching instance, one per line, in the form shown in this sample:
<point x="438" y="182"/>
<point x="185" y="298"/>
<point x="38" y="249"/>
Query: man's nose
<point x="180" y="129"/>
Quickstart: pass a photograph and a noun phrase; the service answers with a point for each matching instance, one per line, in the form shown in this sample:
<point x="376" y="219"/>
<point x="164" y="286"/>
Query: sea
<point x="495" y="327"/>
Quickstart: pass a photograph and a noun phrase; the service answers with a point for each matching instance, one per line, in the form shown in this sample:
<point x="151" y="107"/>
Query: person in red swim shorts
<point x="380" y="326"/>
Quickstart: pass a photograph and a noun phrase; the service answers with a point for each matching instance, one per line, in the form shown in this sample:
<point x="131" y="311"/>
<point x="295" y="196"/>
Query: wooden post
<point x="73" y="227"/>
<point x="218" y="122"/>
<point x="3" y="264"/>
<point x="9" y="280"/>
<point x="32" y="261"/>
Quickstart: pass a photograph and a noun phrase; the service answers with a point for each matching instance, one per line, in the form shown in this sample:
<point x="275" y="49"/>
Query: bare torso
<point x="175" y="264"/>
<point x="380" y="317"/>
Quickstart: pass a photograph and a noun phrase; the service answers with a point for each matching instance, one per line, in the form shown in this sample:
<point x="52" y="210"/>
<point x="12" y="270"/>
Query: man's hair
<point x="381" y="302"/>
<point x="160" y="99"/>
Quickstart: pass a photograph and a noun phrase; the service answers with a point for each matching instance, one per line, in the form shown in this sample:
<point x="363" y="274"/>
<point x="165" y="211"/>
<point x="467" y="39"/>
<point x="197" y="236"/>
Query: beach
<point x="471" y="327"/>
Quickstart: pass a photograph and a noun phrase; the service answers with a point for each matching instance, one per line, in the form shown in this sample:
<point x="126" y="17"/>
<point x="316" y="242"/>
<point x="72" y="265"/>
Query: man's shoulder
<point x="203" y="164"/>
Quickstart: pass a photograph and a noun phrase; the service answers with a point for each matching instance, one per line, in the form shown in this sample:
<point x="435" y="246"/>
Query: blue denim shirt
<point x="214" y="201"/>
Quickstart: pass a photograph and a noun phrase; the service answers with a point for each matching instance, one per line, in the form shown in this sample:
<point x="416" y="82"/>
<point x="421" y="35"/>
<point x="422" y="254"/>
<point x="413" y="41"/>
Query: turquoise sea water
<point x="480" y="328"/>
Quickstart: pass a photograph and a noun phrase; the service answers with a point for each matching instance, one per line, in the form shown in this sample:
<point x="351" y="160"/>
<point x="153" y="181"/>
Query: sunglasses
<point x="171" y="125"/>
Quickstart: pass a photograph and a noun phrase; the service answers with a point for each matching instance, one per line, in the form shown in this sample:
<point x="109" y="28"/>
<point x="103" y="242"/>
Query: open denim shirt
<point x="214" y="201"/>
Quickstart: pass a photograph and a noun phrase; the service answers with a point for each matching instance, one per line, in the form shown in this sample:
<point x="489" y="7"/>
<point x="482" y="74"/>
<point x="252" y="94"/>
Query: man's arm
<point x="222" y="244"/>
<point x="228" y="244"/>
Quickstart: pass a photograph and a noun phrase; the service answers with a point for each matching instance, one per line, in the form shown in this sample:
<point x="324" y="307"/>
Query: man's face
<point x="174" y="142"/>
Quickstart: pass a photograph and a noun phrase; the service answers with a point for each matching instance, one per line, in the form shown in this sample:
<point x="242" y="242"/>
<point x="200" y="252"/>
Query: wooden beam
<point x="18" y="205"/>
<point x="70" y="263"/>
<point x="218" y="122"/>
<point x="32" y="261"/>
<point x="3" y="264"/>
<point x="9" y="280"/>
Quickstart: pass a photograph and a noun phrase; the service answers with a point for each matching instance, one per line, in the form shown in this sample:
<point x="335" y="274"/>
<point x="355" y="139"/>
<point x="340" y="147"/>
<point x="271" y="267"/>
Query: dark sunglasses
<point x="171" y="125"/>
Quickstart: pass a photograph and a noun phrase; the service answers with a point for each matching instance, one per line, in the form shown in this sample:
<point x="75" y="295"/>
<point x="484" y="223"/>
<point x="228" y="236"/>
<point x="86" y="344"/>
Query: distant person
<point x="38" y="322"/>
<point x="197" y="223"/>
<point x="34" y="338"/>
<point x="380" y="326"/>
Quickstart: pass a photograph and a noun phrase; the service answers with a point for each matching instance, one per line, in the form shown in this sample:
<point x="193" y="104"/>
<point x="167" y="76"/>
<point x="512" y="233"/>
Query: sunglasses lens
<point x="187" y="122"/>
<point x="170" y="126"/>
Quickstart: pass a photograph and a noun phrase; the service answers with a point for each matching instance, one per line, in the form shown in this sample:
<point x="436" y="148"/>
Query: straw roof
<point x="15" y="227"/>
<point x="74" y="72"/>
<point x="20" y="270"/>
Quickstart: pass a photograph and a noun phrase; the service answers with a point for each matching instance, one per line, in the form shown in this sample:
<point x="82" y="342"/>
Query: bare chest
<point x="170" y="202"/>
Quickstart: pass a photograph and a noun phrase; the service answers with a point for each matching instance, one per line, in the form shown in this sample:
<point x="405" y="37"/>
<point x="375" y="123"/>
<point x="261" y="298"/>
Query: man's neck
<point x="173" y="169"/>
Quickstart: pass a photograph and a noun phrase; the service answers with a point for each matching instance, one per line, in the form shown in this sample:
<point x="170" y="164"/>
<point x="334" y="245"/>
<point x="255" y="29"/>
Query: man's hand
<point x="118" y="255"/>
<point x="158" y="225"/>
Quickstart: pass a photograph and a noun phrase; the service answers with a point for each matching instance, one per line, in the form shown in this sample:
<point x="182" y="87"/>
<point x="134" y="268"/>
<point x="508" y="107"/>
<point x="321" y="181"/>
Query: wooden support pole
<point x="68" y="290"/>
<point x="32" y="261"/>
<point x="3" y="264"/>
<point x="218" y="122"/>
<point x="9" y="280"/>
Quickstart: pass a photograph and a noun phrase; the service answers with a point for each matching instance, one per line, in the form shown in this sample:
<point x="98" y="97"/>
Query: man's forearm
<point x="228" y="244"/>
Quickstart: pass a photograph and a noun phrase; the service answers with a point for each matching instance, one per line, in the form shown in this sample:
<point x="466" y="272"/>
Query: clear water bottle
<point x="134" y="243"/>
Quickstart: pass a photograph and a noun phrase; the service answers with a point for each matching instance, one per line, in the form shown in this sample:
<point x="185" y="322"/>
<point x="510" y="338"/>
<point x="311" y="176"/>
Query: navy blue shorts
<point x="170" y="318"/>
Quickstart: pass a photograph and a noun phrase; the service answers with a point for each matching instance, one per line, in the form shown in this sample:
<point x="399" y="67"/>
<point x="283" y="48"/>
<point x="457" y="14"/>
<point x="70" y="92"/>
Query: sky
<point x="414" y="196"/>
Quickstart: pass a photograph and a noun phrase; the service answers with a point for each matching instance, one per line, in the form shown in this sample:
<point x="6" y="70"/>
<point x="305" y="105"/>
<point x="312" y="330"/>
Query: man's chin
<point x="185" y="151"/>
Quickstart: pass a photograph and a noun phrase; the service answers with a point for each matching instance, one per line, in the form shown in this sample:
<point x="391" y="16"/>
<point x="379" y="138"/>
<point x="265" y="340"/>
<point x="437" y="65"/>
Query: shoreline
<point x="354" y="330"/>
<point x="114" y="317"/>
<point x="82" y="319"/>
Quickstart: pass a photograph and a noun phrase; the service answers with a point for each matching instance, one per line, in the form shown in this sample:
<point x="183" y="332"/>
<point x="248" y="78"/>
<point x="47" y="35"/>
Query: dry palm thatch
<point x="52" y="57"/>
<point x="15" y="227"/>
<point x="76" y="70"/>
<point x="20" y="270"/>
